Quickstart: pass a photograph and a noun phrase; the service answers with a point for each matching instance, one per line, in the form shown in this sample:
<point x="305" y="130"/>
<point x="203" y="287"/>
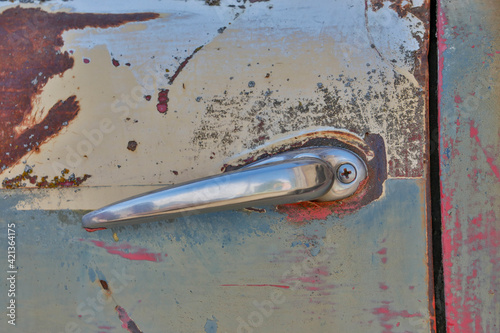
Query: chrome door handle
<point x="318" y="173"/>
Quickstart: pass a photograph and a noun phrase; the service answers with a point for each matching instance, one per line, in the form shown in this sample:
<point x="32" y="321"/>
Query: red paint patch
<point x="128" y="251"/>
<point x="458" y="99"/>
<point x="474" y="132"/>
<point x="86" y="60"/>
<point x="369" y="189"/>
<point x="115" y="62"/>
<point x="94" y="229"/>
<point x="163" y="99"/>
<point x="161" y="108"/>
<point x="383" y="286"/>
<point x="385" y="314"/>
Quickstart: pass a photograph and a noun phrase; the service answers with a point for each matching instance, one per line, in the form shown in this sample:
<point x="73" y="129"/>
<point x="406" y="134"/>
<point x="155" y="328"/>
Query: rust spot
<point x="27" y="178"/>
<point x="30" y="44"/>
<point x="104" y="285"/>
<point x="212" y="2"/>
<point x="396" y="5"/>
<point x="261" y="138"/>
<point x="371" y="150"/>
<point x="421" y="70"/>
<point x="369" y="190"/>
<point x="253" y="209"/>
<point x="402" y="8"/>
<point x="132" y="145"/>
<point x="315" y="139"/>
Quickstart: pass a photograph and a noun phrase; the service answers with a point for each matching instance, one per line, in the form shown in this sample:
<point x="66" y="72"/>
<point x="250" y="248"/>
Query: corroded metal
<point x="152" y="93"/>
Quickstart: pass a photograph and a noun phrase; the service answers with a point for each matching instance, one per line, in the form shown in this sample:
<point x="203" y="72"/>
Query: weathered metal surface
<point x="469" y="63"/>
<point x="220" y="120"/>
<point x="364" y="272"/>
<point x="183" y="90"/>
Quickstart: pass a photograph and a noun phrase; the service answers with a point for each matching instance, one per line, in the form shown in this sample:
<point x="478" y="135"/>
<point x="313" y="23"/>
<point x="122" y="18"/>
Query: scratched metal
<point x="469" y="62"/>
<point x="122" y="98"/>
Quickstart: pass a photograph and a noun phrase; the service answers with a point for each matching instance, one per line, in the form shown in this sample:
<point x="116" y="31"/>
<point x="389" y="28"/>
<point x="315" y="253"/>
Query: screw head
<point x="346" y="173"/>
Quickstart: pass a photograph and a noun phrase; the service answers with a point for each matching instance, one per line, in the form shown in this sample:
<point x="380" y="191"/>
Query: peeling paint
<point x="469" y="160"/>
<point x="31" y="35"/>
<point x="27" y="179"/>
<point x="127" y="322"/>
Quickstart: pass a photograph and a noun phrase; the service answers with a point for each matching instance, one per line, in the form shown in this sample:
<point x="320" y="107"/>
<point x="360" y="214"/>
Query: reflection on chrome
<point x="300" y="175"/>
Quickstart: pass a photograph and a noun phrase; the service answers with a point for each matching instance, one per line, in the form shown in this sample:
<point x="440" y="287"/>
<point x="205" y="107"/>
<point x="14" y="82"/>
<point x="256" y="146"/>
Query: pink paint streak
<point x="256" y="285"/>
<point x="385" y="314"/>
<point x="131" y="253"/>
<point x="474" y="132"/>
<point x="383" y="286"/>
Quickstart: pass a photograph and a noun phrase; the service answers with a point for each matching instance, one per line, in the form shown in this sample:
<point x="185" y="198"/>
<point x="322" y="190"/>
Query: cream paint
<point x="297" y="52"/>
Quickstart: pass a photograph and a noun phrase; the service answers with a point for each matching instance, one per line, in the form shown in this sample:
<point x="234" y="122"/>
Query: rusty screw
<point x="346" y="173"/>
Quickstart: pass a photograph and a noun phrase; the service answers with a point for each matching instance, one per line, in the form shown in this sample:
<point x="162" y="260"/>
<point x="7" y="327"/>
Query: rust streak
<point x="369" y="190"/>
<point x="183" y="64"/>
<point x="371" y="150"/>
<point x="420" y="70"/>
